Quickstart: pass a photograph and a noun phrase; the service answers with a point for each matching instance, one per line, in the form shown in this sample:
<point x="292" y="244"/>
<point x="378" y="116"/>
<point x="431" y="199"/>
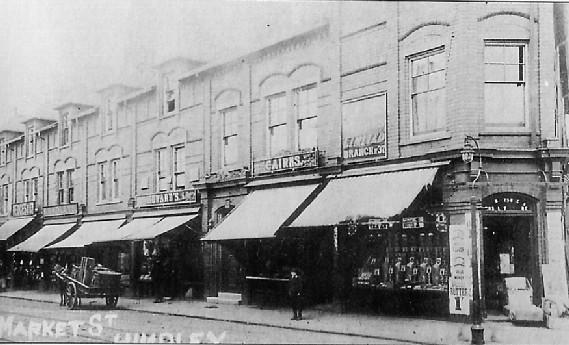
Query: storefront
<point x="248" y="233"/>
<point x="166" y="225"/>
<point x="389" y="234"/>
<point x="20" y="270"/>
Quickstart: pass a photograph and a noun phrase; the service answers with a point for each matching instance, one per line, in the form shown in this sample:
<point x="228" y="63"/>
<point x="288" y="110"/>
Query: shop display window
<point x="410" y="253"/>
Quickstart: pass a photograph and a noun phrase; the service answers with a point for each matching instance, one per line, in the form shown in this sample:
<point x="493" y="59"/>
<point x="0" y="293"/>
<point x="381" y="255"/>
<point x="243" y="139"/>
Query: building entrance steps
<point x="225" y="298"/>
<point x="412" y="330"/>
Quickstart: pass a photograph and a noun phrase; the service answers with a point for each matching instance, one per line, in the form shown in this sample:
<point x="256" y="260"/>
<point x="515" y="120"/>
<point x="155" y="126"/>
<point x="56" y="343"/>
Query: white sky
<point x="58" y="51"/>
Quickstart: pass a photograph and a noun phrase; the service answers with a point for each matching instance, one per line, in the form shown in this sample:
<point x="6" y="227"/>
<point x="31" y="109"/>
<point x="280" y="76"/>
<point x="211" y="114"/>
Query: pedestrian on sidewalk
<point x="295" y="294"/>
<point x="157" y="276"/>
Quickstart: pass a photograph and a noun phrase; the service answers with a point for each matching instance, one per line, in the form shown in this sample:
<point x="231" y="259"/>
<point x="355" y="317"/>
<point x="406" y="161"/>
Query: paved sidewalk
<point x="374" y="326"/>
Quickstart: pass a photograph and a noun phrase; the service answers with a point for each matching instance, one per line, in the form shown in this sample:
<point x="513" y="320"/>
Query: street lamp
<point x="477" y="331"/>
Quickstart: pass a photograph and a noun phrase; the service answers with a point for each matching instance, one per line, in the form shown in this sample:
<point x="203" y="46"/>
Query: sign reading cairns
<point x="173" y="197"/>
<point x="293" y="161"/>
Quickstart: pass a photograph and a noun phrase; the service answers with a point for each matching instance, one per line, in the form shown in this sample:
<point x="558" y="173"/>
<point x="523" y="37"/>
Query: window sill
<point x="170" y="114"/>
<point x="110" y="202"/>
<point x="420" y="139"/>
<point x="489" y="131"/>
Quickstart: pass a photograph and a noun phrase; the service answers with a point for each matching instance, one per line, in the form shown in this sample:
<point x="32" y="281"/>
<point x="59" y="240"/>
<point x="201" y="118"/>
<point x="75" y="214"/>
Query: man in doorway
<point x="295" y="294"/>
<point x="157" y="275"/>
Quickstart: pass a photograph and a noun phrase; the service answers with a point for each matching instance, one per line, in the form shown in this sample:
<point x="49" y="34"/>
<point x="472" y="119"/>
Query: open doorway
<point x="507" y="253"/>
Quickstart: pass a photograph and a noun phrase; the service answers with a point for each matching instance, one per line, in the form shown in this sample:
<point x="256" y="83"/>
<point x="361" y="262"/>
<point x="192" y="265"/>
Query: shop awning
<point x="42" y="238"/>
<point x="12" y="226"/>
<point x="158" y="228"/>
<point x="131" y="229"/>
<point x="261" y="214"/>
<point x="88" y="233"/>
<point x="374" y="196"/>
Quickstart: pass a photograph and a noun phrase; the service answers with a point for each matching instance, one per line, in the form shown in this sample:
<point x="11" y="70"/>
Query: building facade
<point x="338" y="150"/>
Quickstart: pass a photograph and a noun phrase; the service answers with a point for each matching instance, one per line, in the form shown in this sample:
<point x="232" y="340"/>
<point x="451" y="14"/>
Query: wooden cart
<point x="104" y="284"/>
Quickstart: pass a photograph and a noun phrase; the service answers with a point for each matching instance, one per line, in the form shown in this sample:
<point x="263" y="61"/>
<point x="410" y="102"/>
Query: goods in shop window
<point x="411" y="270"/>
<point x="425" y="272"/>
<point x="436" y="272"/>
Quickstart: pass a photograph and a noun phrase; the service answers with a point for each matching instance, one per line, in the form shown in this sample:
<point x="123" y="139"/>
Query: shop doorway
<point x="508" y="252"/>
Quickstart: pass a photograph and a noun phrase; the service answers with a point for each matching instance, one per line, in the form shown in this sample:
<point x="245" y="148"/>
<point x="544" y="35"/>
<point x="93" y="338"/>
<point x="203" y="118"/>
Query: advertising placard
<point x="460" y="278"/>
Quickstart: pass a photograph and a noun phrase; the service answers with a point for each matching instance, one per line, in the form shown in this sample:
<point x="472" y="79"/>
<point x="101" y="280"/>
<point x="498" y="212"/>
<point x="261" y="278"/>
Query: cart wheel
<point x="71" y="296"/>
<point x="111" y="301"/>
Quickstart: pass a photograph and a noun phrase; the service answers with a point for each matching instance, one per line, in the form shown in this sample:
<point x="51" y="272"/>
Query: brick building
<point x="338" y="150"/>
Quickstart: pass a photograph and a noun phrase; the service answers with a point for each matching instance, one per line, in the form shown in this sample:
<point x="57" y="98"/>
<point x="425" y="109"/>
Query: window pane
<point x="494" y="54"/>
<point x="306" y="103"/>
<point x="437" y="105"/>
<point x="494" y="72"/>
<point x="493" y="103"/>
<point x="420" y="84"/>
<point x="277" y="110"/>
<point x="512" y="73"/>
<point x="437" y="62"/>
<point x="437" y="80"/>
<point x="307" y="135"/>
<point x="278" y="139"/>
<point x="511" y="55"/>
<point x="419" y="103"/>
<point x="230" y="150"/>
<point x="514" y="104"/>
<point x="419" y="67"/>
<point x="364" y="122"/>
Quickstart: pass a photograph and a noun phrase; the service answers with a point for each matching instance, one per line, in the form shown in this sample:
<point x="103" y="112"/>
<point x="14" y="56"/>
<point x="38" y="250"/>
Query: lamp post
<point x="477" y="330"/>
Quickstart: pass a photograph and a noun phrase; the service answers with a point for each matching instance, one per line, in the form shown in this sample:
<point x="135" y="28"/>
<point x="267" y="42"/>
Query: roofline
<point x="86" y="112"/>
<point x="137" y="93"/>
<point x="117" y="84"/>
<point x="37" y="118"/>
<point x="177" y="59"/>
<point x="237" y="57"/>
<point x="71" y="103"/>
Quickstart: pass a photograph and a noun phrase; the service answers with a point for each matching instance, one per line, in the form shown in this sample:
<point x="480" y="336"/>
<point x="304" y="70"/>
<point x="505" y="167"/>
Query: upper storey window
<point x="505" y="84"/>
<point x="65" y="136"/>
<point x="30" y="141"/>
<point x="277" y="118"/>
<point x="3" y="152"/>
<point x="169" y="95"/>
<point x="428" y="95"/>
<point x="306" y="116"/>
<point x="230" y="140"/>
<point x="109" y="117"/>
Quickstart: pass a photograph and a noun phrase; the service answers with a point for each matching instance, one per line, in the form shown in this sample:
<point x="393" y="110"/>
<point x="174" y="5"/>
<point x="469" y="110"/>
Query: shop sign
<point x="24" y="209"/>
<point x="298" y="160"/>
<point x="441" y="221"/>
<point x="379" y="224"/>
<point x="61" y="210"/>
<point x="413" y="223"/>
<point x="460" y="278"/>
<point x="366" y="145"/>
<point x="507" y="203"/>
<point x="164" y="198"/>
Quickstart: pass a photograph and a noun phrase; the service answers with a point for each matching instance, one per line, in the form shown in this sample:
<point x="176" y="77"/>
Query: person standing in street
<point x="295" y="294"/>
